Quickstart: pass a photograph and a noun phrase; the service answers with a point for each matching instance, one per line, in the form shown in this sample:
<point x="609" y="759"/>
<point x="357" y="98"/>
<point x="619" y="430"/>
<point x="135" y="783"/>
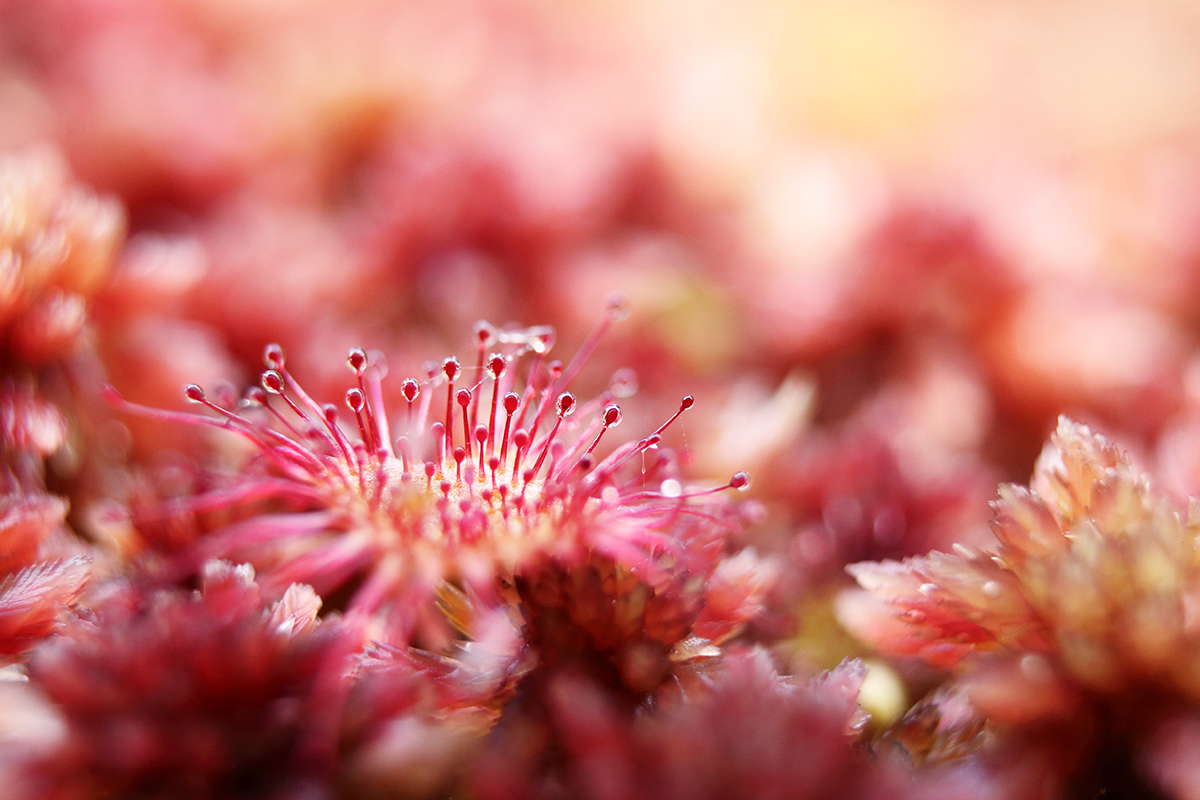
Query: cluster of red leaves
<point x="1075" y="634"/>
<point x="178" y="694"/>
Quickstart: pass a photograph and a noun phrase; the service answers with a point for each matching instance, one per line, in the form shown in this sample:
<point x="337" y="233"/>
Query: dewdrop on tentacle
<point x="492" y="478"/>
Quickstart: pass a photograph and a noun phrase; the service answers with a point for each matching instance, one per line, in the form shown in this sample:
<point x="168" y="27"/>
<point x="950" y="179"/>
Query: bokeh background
<point x="885" y="244"/>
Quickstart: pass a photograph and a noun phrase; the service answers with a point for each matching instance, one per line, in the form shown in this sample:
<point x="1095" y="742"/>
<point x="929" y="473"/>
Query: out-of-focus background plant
<point x="885" y="245"/>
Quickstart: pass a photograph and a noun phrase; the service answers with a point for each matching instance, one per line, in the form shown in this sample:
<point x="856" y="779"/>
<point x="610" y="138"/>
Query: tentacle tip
<point x="273" y="356"/>
<point x="616" y="306"/>
<point x="110" y="395"/>
<point x="357" y="360"/>
<point x="272" y="381"/>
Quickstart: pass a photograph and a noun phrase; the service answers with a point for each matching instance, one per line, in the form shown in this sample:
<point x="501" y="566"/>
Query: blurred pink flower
<point x="58" y="241"/>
